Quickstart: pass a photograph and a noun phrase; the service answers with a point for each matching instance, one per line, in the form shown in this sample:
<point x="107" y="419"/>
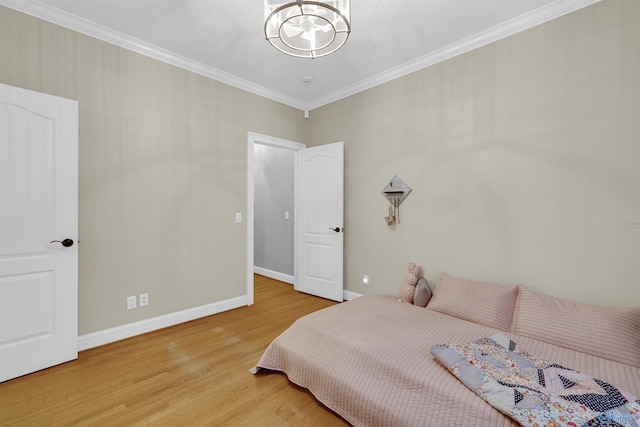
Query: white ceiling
<point x="224" y="39"/>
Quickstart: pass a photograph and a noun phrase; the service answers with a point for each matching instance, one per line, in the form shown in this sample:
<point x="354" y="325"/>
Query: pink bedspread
<point x="369" y="361"/>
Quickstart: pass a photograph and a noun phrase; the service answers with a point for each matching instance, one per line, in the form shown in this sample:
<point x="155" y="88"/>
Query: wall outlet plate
<point x="144" y="299"/>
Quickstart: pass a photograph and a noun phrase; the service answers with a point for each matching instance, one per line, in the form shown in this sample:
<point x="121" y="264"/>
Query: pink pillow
<point x="487" y="304"/>
<point x="609" y="332"/>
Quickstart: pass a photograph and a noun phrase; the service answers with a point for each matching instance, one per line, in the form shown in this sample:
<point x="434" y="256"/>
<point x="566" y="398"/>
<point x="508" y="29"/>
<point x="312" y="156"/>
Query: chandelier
<point x="307" y="29"/>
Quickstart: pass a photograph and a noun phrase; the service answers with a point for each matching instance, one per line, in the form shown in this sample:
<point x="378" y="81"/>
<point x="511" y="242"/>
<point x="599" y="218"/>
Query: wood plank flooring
<point x="193" y="374"/>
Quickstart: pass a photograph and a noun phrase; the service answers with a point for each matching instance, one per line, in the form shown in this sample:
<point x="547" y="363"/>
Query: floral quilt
<point x="536" y="392"/>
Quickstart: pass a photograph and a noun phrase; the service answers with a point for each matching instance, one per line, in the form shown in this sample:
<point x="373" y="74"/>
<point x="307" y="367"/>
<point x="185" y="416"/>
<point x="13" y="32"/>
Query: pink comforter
<point x="369" y="361"/>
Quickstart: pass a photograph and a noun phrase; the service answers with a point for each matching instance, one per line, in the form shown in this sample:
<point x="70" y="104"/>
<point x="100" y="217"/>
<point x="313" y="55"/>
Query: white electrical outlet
<point x="131" y="302"/>
<point x="144" y="299"/>
<point x="238" y="217"/>
<point x="365" y="280"/>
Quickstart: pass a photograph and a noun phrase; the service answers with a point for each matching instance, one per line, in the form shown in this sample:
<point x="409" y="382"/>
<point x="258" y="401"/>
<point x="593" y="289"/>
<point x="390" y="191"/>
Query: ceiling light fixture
<point x="307" y="29"/>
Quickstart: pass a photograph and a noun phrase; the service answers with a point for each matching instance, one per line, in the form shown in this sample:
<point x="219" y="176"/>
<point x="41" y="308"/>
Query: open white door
<point x="38" y="205"/>
<point x="320" y="221"/>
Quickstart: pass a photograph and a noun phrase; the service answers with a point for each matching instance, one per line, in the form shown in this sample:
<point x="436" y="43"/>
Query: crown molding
<point x="89" y="28"/>
<point x="509" y="28"/>
<point x="55" y="16"/>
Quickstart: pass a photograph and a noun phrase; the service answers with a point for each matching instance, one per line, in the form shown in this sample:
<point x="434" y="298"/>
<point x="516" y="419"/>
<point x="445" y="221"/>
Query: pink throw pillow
<point x="487" y="304"/>
<point x="609" y="332"/>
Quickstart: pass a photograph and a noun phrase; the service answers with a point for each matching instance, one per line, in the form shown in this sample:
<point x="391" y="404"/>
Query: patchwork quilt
<point x="536" y="392"/>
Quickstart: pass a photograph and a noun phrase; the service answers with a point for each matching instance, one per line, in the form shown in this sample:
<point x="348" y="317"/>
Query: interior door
<point x="38" y="205"/>
<point x="320" y="221"/>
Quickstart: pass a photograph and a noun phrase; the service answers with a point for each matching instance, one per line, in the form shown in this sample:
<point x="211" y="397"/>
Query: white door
<point x="38" y="204"/>
<point x="320" y="221"/>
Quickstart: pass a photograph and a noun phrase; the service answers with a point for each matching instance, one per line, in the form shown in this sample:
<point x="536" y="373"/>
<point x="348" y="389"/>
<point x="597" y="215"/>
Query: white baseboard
<point x="118" y="333"/>
<point x="96" y="339"/>
<point x="348" y="295"/>
<point x="286" y="278"/>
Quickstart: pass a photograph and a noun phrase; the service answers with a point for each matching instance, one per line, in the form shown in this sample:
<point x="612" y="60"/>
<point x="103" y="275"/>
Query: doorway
<point x="274" y="148"/>
<point x="274" y="193"/>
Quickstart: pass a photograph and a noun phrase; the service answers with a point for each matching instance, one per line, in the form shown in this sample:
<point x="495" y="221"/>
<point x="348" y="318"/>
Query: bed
<point x="370" y="359"/>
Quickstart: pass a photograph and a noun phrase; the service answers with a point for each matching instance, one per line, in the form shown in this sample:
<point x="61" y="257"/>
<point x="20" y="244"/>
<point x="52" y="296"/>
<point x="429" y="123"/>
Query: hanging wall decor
<point x="395" y="192"/>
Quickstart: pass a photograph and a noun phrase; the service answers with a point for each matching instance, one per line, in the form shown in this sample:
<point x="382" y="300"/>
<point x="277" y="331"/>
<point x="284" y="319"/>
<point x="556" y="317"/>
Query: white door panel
<point x="27" y="214"/>
<point x="320" y="207"/>
<point x="38" y="204"/>
<point x="319" y="261"/>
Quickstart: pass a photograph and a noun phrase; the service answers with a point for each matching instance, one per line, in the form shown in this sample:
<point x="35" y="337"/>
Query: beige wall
<point x="163" y="156"/>
<point x="523" y="156"/>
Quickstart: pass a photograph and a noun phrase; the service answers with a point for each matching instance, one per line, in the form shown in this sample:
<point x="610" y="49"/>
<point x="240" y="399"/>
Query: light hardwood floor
<point x="193" y="374"/>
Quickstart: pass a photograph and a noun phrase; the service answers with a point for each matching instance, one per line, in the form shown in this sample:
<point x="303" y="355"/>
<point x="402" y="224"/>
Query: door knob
<point x="337" y="229"/>
<point x="66" y="242"/>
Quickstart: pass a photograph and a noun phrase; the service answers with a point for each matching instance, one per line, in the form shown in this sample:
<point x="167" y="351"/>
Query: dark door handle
<point x="337" y="229"/>
<point x="66" y="242"/>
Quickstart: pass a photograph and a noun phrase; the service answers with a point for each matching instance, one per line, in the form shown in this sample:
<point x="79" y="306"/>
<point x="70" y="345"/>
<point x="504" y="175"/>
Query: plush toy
<point x="422" y="294"/>
<point x="408" y="289"/>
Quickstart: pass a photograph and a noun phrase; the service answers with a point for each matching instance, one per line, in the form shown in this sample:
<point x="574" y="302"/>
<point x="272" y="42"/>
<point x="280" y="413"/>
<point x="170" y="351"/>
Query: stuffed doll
<point x="408" y="289"/>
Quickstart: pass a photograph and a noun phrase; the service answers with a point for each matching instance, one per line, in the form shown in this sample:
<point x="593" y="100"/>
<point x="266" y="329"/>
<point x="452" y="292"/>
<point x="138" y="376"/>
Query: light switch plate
<point x="131" y="302"/>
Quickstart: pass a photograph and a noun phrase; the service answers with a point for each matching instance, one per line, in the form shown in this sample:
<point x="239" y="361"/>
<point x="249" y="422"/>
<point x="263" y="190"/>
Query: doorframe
<point x="254" y="139"/>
